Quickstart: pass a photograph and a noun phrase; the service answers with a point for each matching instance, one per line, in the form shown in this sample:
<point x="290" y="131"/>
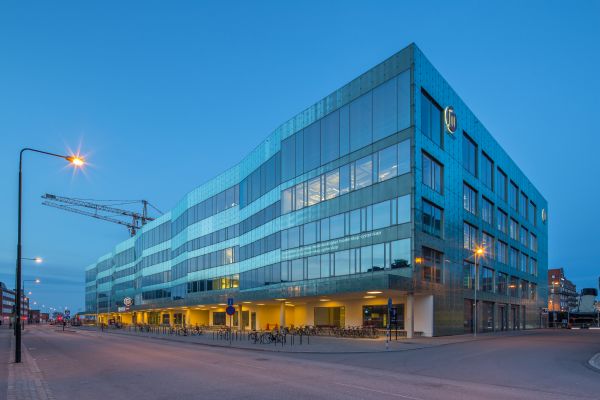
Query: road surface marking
<point x="378" y="391"/>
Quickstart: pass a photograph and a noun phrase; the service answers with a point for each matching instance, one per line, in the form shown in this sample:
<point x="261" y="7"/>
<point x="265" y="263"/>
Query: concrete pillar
<point x="282" y="315"/>
<point x="410" y="316"/>
<point x="241" y="319"/>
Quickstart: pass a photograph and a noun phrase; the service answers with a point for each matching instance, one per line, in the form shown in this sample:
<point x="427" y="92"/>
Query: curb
<point x="594" y="362"/>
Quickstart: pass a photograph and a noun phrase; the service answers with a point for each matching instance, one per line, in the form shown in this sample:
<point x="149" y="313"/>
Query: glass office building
<point x="382" y="190"/>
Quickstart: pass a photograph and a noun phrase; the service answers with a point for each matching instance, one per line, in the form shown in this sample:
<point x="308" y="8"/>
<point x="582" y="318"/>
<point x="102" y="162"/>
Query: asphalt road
<point x="542" y="365"/>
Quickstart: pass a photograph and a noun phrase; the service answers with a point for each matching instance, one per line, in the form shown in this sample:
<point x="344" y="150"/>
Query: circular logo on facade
<point x="450" y="119"/>
<point x="128" y="301"/>
<point x="544" y="215"/>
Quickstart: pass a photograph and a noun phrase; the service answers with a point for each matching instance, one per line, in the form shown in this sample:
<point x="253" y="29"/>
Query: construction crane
<point x="106" y="212"/>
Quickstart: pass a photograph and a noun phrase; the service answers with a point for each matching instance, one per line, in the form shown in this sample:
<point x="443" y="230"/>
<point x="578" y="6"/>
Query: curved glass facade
<point x="359" y="198"/>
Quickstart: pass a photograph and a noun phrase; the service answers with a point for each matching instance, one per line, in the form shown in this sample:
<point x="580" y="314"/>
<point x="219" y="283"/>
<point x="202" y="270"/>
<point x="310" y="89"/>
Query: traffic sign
<point x="230" y="310"/>
<point x="230" y="301"/>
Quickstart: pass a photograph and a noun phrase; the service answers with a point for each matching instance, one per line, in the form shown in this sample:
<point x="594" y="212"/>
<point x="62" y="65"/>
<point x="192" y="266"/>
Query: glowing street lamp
<point x="478" y="252"/>
<point x="77" y="161"/>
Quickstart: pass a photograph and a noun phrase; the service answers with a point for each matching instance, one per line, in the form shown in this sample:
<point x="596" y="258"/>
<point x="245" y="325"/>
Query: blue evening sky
<point x="163" y="96"/>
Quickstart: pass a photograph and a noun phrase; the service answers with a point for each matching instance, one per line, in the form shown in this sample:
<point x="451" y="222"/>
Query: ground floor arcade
<point x="410" y="313"/>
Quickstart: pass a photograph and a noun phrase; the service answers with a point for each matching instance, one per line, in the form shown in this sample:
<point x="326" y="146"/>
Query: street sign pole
<point x="389" y="325"/>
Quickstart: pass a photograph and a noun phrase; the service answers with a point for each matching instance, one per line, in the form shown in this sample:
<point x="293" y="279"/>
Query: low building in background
<point x="34" y="317"/>
<point x="380" y="193"/>
<point x="7" y="311"/>
<point x="562" y="293"/>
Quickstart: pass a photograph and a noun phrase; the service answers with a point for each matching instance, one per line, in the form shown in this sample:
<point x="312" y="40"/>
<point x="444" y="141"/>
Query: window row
<point x="376" y="114"/>
<point x="124" y="257"/>
<point x="372" y="258"/>
<point x="213" y="205"/>
<point x="375" y="216"/>
<point x="155" y="279"/>
<point x="262" y="180"/>
<point x="496" y="179"/>
<point x="260" y="246"/>
<point x="206" y="285"/>
<point x="498" y="249"/>
<point x="499" y="282"/>
<point x="377" y="167"/>
<point x="154" y="236"/>
<point x="213" y="259"/>
<point x="254" y="221"/>
<point x="155" y="258"/>
<point x="155" y="294"/>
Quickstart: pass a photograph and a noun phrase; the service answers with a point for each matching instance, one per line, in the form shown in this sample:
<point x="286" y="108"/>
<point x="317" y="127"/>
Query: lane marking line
<point x="378" y="391"/>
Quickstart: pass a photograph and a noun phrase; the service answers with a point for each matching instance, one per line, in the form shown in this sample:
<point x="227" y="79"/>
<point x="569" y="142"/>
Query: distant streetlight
<point x="38" y="260"/>
<point x="74" y="160"/>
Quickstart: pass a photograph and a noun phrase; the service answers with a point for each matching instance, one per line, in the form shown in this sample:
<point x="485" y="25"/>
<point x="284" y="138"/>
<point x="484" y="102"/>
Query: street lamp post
<point x="74" y="160"/>
<point x="478" y="252"/>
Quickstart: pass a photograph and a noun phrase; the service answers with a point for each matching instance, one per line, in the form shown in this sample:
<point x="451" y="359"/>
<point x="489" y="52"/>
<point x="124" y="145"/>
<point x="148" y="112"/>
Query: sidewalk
<point x="23" y="381"/>
<point x="314" y="344"/>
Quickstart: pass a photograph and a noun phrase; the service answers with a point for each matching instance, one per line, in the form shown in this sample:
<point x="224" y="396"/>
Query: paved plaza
<point x="541" y="364"/>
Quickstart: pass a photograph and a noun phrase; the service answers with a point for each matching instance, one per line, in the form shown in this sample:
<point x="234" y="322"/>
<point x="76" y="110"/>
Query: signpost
<point x="389" y="323"/>
<point x="230" y="310"/>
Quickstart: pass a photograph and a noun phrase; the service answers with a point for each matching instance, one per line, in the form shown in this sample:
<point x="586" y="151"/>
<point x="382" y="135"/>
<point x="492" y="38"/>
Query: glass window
<point x="366" y="259"/>
<point x="381" y="215"/>
<point x="313" y="268"/>
<point x="363" y="172"/>
<point x="361" y="121"/>
<point x="325" y="266"/>
<point x="532" y="213"/>
<point x="385" y="110"/>
<point x="487" y="279"/>
<point x="388" y="163"/>
<point x="533" y="244"/>
<point x="468" y="274"/>
<point x="432" y="265"/>
<point x="355" y="221"/>
<point x="524" y="235"/>
<point x="400" y="254"/>
<point x="502" y="221"/>
<point x="513" y="258"/>
<point x="298" y="269"/>
<point x="299" y="153"/>
<point x="524" y="262"/>
<point x="513" y="194"/>
<point x="501" y="283"/>
<point x="469" y="155"/>
<point x="314" y="191"/>
<point x="469" y="199"/>
<point x="293" y="237"/>
<point x="431" y="119"/>
<point x="432" y="219"/>
<point x="501" y="185"/>
<point x="336" y="226"/>
<point x="344" y="130"/>
<point x="487" y="171"/>
<point x="325" y="229"/>
<point x="312" y="146"/>
<point x="300" y="196"/>
<point x="310" y="233"/>
<point x="523" y="204"/>
<point x="288" y="158"/>
<point x="513" y="286"/>
<point x="330" y="137"/>
<point x="404" y="157"/>
<point x="487" y="242"/>
<point x="432" y="173"/>
<point x="286" y="201"/>
<point x="342" y="263"/>
<point x="501" y="252"/>
<point x="514" y="229"/>
<point x="487" y="211"/>
<point x="344" y="179"/>
<point x="378" y="257"/>
<point x="469" y="236"/>
<point x="404" y="209"/>
<point x="332" y="184"/>
<point x="533" y="267"/>
<point x="404" y="100"/>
